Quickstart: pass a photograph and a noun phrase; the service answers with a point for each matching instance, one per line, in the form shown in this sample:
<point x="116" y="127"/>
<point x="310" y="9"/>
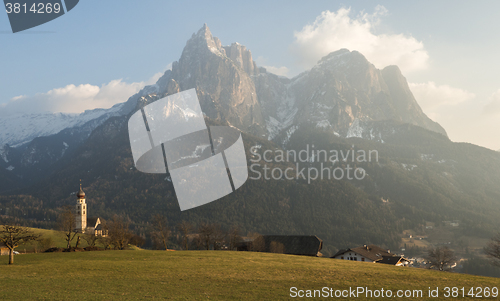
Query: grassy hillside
<point x="196" y="275"/>
<point x="53" y="238"/>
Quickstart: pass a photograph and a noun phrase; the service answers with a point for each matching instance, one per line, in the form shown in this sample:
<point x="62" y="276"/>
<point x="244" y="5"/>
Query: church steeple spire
<point x="81" y="210"/>
<point x="81" y="194"/>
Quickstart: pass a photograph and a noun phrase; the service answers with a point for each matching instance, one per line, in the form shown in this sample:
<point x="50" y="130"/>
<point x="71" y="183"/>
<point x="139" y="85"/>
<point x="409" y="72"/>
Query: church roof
<point x="392" y="260"/>
<point x="81" y="194"/>
<point x="92" y="221"/>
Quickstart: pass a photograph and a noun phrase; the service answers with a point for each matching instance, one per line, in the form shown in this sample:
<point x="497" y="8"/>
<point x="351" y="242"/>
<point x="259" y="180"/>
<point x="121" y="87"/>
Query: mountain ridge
<point x="20" y="129"/>
<point x="241" y="102"/>
<point x="340" y="104"/>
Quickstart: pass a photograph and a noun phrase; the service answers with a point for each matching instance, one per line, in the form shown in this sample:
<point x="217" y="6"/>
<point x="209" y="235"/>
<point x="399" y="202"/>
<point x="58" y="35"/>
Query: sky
<point x="102" y="52"/>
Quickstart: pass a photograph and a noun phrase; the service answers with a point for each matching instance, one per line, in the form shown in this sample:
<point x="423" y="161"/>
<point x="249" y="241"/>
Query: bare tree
<point x="234" y="237"/>
<point x="161" y="231"/>
<point x="91" y="238"/>
<point x="137" y="240"/>
<point x="493" y="249"/>
<point x="119" y="232"/>
<point x="185" y="229"/>
<point x="206" y="234"/>
<point x="43" y="243"/>
<point x="198" y="242"/>
<point x="258" y="242"/>
<point x="67" y="224"/>
<point x="13" y="236"/>
<point x="219" y="237"/>
<point x="441" y="258"/>
<point x="105" y="241"/>
<point x="79" y="238"/>
<point x="276" y="247"/>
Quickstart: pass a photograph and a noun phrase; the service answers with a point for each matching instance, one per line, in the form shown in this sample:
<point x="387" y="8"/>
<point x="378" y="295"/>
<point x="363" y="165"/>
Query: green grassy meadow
<point x="57" y="239"/>
<point x="204" y="275"/>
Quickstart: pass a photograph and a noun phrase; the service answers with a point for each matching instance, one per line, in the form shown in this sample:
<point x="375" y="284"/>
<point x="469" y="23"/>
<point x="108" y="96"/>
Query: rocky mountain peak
<point x="221" y="77"/>
<point x="344" y="94"/>
<point x="242" y="57"/>
<point x="203" y="33"/>
<point x="201" y="42"/>
<point x="341" y="91"/>
<point x="343" y="57"/>
<point x="349" y="67"/>
<point x="403" y="101"/>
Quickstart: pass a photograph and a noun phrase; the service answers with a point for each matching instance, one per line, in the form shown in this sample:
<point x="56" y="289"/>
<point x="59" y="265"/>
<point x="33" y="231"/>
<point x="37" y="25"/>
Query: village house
<point x="371" y="253"/>
<point x="3" y="249"/>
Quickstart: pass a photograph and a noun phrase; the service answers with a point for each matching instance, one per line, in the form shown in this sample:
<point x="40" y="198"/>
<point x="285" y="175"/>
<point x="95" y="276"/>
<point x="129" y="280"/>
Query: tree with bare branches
<point x="258" y="242"/>
<point x="277" y="247"/>
<point x="67" y="224"/>
<point x="161" y="231"/>
<point x="185" y="229"/>
<point x="234" y="237"/>
<point x="219" y="237"/>
<point x="206" y="234"/>
<point x="43" y="243"/>
<point x="91" y="238"/>
<point x="137" y="240"/>
<point x="13" y="236"/>
<point x="105" y="241"/>
<point x="493" y="249"/>
<point x="441" y="258"/>
<point x="198" y="242"/>
<point x="119" y="232"/>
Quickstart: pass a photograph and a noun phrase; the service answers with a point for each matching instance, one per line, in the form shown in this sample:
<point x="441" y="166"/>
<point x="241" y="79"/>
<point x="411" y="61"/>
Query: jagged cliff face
<point x="221" y="76"/>
<point x="341" y="94"/>
<point x="341" y="91"/>
<point x="407" y="108"/>
<point x="241" y="57"/>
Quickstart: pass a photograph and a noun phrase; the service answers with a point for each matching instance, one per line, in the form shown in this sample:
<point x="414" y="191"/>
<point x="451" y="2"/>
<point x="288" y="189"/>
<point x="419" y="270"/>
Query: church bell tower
<point x="81" y="211"/>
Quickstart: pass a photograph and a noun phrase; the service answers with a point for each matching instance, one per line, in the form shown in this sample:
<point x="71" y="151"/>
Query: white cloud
<point x="76" y="99"/>
<point x="283" y="71"/>
<point x="332" y="31"/>
<point x="431" y="96"/>
<point x="460" y="112"/>
<point x="493" y="107"/>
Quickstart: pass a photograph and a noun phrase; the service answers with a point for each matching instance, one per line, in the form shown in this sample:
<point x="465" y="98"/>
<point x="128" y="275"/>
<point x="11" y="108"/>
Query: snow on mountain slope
<point x="3" y="153"/>
<point x="355" y="130"/>
<point x="20" y="129"/>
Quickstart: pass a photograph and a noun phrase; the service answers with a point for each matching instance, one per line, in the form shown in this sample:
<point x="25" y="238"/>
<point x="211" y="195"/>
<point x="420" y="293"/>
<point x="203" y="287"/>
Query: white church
<point x="84" y="224"/>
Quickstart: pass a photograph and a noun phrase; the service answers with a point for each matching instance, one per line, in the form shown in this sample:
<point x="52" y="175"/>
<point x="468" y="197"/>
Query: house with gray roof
<point x="370" y="253"/>
<point x="3" y="249"/>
